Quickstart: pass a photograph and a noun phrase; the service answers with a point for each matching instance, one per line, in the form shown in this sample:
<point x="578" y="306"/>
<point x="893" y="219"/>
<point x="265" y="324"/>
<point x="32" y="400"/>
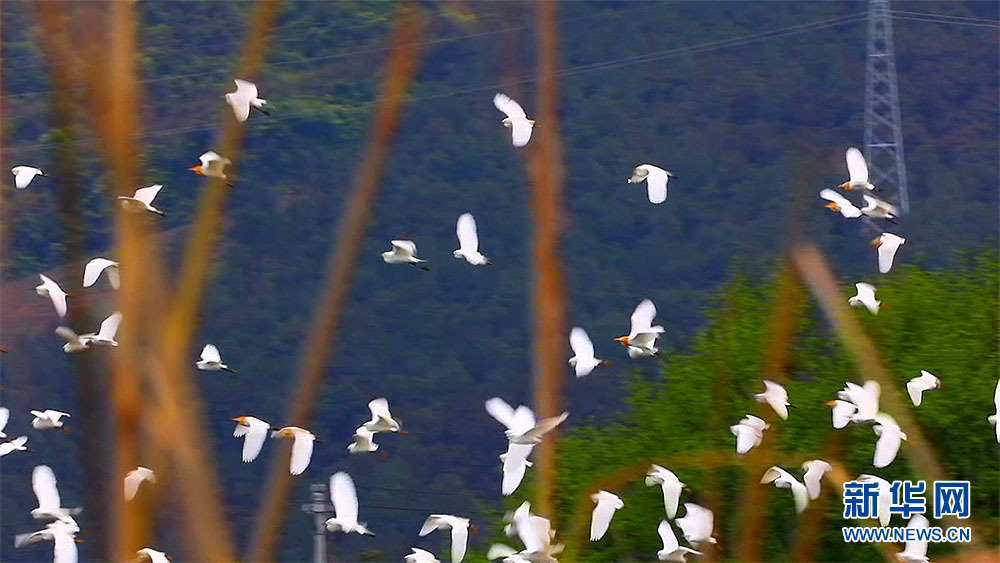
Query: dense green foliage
<point x="733" y="123"/>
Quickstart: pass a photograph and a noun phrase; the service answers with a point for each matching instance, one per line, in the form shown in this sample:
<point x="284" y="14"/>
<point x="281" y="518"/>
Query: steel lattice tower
<point x="883" y="128"/>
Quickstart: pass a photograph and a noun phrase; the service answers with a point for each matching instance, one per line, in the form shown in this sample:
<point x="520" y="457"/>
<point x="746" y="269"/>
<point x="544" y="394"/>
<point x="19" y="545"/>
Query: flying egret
<point x="404" y="252"/>
<point x="253" y="431"/>
<point x="15" y="445"/>
<point x="670" y="484"/>
<point x="382" y="420"/>
<point x="775" y="396"/>
<point x="887" y="245"/>
<point x="459" y="532"/>
<point x="839" y="203"/>
<point x="135" y="478"/>
<point x="23" y="175"/>
<point x="534" y="435"/>
<point x="43" y="483"/>
<point x="864" y="397"/>
<point x="784" y="480"/>
<point x="865" y="298"/>
<point x="858" y="171"/>
<point x="915" y="550"/>
<point x="884" y="496"/>
<point x="916" y="386"/>
<point x="600" y="518"/>
<point x="696" y="524"/>
<point x="98" y="265"/>
<point x="641" y="339"/>
<point x="51" y="289"/>
<point x="517" y="121"/>
<point x="153" y="556"/>
<point x="583" y="360"/>
<point x="420" y="556"/>
<point x="672" y="550"/>
<point x="656" y="181"/>
<point x="842" y="412"/>
<point x="889" y="439"/>
<point x="363" y="441"/>
<point x="749" y="432"/>
<point x="211" y="360"/>
<point x="994" y="419"/>
<point x="142" y="200"/>
<point x="48" y="419"/>
<point x="815" y="470"/>
<point x="518" y="422"/>
<point x="302" y="447"/>
<point x="244" y="99"/>
<point x="468" y="241"/>
<point x="212" y="166"/>
<point x="345" y="506"/>
<point x="4" y="417"/>
<point x="535" y="532"/>
<point x="62" y="534"/>
<point x="878" y="209"/>
<point x="105" y="336"/>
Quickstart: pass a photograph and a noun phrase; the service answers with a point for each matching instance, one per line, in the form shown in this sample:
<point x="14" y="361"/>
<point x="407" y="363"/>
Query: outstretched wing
<point x="344" y="497"/>
<point x="642" y="317"/>
<point x="511" y="108"/>
<point x="93" y="270"/>
<point x="856" y="166"/>
<point x="468" y="238"/>
<point x="501" y="411"/>
<point x="520" y="132"/>
<point x="109" y="326"/>
<point x="459" y="541"/>
<point x="146" y="195"/>
<point x="256" y="433"/>
<point x="302" y="449"/>
<point x="405" y="247"/>
<point x="656" y="184"/>
<point x="210" y="353"/>
<point x="43" y="482"/>
<point x="580" y="342"/>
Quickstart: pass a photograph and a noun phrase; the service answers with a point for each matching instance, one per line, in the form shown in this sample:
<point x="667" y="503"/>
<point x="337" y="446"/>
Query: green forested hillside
<point x="740" y="124"/>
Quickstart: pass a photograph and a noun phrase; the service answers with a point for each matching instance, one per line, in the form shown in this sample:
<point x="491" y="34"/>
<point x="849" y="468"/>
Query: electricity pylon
<point x="320" y="508"/>
<point x="883" y="128"/>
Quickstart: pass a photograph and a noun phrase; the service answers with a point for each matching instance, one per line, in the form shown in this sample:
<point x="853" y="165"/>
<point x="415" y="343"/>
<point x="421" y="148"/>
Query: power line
<point x="995" y="25"/>
<point x="445" y="493"/>
<point x="581" y="69"/>
<point x="931" y="15"/>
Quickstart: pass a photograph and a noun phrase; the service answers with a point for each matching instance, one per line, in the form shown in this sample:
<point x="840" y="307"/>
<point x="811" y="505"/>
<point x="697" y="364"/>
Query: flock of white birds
<point x="855" y="404"/>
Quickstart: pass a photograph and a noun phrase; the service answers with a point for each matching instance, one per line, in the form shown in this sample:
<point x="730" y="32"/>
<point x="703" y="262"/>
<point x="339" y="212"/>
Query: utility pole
<point x="883" y="128"/>
<point x="321" y="509"/>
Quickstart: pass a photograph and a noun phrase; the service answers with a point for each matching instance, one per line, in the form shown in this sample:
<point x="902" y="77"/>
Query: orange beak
<point x="877" y="242"/>
<point x="830" y="403"/>
<point x="623" y="340"/>
<point x="844" y="186"/>
<point x="196" y="169"/>
<point x="832" y="205"/>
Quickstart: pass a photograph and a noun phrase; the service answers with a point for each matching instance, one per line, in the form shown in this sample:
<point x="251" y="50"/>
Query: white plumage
<point x="775" y="396"/>
<point x="887" y="245"/>
<point x="254" y="432"/>
<point x="600" y="518"/>
<point x="784" y="480"/>
<point x="749" y="433"/>
<point x="105" y="336"/>
<point x="865" y="298"/>
<point x="878" y="209"/>
<point x="672" y="550"/>
<point x="813" y="477"/>
<point x="697" y="524"/>
<point x="345" y="506"/>
<point x="23" y="175"/>
<point x="994" y="418"/>
<point x="914" y="551"/>
<point x="43" y="483"/>
<point x="94" y="269"/>
<point x="890" y="437"/>
<point x="916" y="386"/>
<point x="583" y="360"/>
<point x="211" y="360"/>
<point x="865" y="399"/>
<point x="142" y="200"/>
<point x="420" y="556"/>
<point x="517" y="121"/>
<point x="135" y="478"/>
<point x="641" y="339"/>
<point x="839" y="203"/>
<point x="47" y="419"/>
<point x="51" y="289"/>
<point x="468" y="241"/>
<point x="243" y="99"/>
<point x="884" y="496"/>
<point x="670" y="484"/>
<point x="363" y="441"/>
<point x="382" y="420"/>
<point x="459" y="532"/>
<point x="656" y="181"/>
<point x="152" y="555"/>
<point x="4" y="417"/>
<point x="302" y="447"/>
<point x="15" y="445"/>
<point x="403" y="252"/>
<point x="857" y="168"/>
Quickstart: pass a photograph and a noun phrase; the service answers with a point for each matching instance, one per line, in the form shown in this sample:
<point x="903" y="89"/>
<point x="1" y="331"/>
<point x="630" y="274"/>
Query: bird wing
<point x="56" y="294"/>
<point x="642" y="317"/>
<point x="131" y="483"/>
<point x="146" y="195"/>
<point x="887" y="251"/>
<point x="671" y="496"/>
<point x="379" y="409"/>
<point x="208" y="157"/>
<point x="514" y="466"/>
<point x="656" y="184"/>
<point x="916" y="549"/>
<point x="344" y="497"/>
<point x="601" y="516"/>
<point x="520" y="132"/>
<point x="887" y="445"/>
<point x="23" y="176"/>
<point x="866" y="291"/>
<point x="245" y="88"/>
<point x="524" y="420"/>
<point x="64" y="548"/>
<point x="43" y="482"/>
<point x="4" y="417"/>
<point x="670" y="542"/>
<point x="93" y="270"/>
<point x="256" y="433"/>
<point x="546" y="425"/>
<point x="210" y="353"/>
<point x="856" y="166"/>
<point x="580" y="342"/>
<point x="745" y="437"/>
<point x="511" y="108"/>
<point x="468" y="239"/>
<point x="405" y="247"/>
<point x="459" y="541"/>
<point x="501" y="411"/>
<point x="109" y="326"/>
<point x="302" y="449"/>
<point x="916" y="387"/>
<point x="433" y="522"/>
<point x="813" y="476"/>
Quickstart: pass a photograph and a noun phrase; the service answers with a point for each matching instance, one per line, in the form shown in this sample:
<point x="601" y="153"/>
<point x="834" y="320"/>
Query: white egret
<point x="864" y="397"/>
<point x="517" y="121"/>
<point x="404" y="252"/>
<point x="103" y="337"/>
<point x="468" y="241"/>
<point x="514" y="460"/>
<point x="641" y="339"/>
<point x="23" y="175"/>
<point x="212" y="166"/>
<point x="889" y="439"/>
<point x="253" y="431"/>
<point x="670" y="484"/>
<point x="48" y="419"/>
<point x="382" y="420"/>
<point x="363" y="441"/>
<point x="51" y="289"/>
<point x="600" y="518"/>
<point x="15" y="445"/>
<point x="96" y="266"/>
<point x="842" y="412"/>
<point x="815" y="470"/>
<point x="994" y="419"/>
<point x="302" y="447"/>
<point x="43" y="483"/>
<point x="696" y="524"/>
<point x="749" y="432"/>
<point x="420" y="556"/>
<point x="656" y="181"/>
<point x="857" y="168"/>
<point x="878" y="209"/>
<point x="211" y="360"/>
<point x="672" y="550"/>
<point x="865" y="298"/>
<point x="152" y="555"/>
<point x="915" y="551"/>
<point x="345" y="506"/>
<point x="887" y="245"/>
<point x="142" y="200"/>
<point x="244" y="99"/>
<point x="839" y="203"/>
<point x="4" y="417"/>
<point x="459" y="532"/>
<point x="62" y="535"/>
<point x="784" y="480"/>
<point x="884" y="496"/>
<point x="916" y="386"/>
<point x="135" y="478"/>
<point x="583" y="360"/>
<point x="775" y="396"/>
